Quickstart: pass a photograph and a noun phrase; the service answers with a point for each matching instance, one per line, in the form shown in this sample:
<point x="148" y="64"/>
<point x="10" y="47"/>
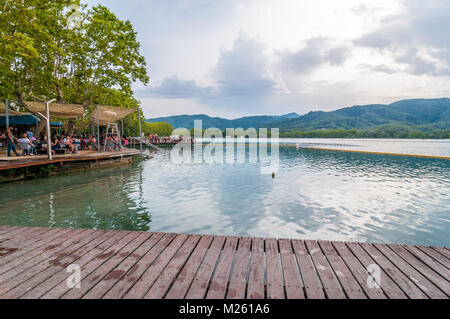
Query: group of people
<point x="31" y="145"/>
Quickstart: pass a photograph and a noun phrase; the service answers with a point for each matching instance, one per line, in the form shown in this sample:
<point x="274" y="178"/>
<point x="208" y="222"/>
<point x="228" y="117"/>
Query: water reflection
<point x="315" y="195"/>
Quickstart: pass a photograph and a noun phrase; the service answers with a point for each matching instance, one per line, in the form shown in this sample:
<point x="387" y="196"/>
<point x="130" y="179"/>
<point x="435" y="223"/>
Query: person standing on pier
<point x="11" y="141"/>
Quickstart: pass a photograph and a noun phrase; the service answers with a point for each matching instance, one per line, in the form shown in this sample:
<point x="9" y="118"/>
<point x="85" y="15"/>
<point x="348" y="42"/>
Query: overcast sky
<point x="242" y="57"/>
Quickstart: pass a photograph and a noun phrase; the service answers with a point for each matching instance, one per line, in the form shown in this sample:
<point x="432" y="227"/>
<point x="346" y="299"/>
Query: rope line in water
<point x="341" y="150"/>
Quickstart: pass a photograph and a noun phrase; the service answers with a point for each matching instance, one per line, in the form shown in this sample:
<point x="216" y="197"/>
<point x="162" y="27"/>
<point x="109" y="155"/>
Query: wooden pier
<point x="126" y="264"/>
<point x="26" y="167"/>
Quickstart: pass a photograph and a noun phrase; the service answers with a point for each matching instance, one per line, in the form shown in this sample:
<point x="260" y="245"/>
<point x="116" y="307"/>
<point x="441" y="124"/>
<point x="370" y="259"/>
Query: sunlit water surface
<point x="314" y="195"/>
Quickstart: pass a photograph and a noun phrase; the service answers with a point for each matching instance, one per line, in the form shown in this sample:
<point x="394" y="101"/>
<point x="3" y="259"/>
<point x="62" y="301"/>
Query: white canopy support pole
<point x="7" y="113"/>
<point x="98" y="127"/>
<point x="140" y="132"/>
<point x="49" y="135"/>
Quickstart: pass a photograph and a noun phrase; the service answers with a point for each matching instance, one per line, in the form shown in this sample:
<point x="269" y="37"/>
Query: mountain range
<point x="420" y="114"/>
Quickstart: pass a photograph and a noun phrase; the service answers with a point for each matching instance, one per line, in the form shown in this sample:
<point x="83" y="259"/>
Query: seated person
<point x="26" y="145"/>
<point x="109" y="144"/>
<point x="68" y="145"/>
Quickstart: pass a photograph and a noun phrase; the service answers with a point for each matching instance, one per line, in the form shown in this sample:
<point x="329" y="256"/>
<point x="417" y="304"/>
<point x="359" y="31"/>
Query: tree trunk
<point x="71" y="128"/>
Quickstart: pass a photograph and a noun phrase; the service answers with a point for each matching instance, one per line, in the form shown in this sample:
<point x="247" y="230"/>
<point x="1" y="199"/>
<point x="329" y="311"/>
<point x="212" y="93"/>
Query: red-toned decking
<point x="125" y="264"/>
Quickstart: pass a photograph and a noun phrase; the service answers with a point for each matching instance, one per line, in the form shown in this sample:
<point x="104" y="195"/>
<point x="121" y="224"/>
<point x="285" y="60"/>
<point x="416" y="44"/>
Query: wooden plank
<point x="311" y="281"/>
<point x="147" y="280"/>
<point x="256" y="286"/>
<point x="331" y="285"/>
<point x="52" y="285"/>
<point x="350" y="285"/>
<point x="59" y="262"/>
<point x="238" y="282"/>
<point x="293" y="284"/>
<point x="358" y="270"/>
<point x="33" y="270"/>
<point x="405" y="283"/>
<point x="115" y="275"/>
<point x="167" y="277"/>
<point x="439" y="258"/>
<point x="200" y="283"/>
<point x="59" y="290"/>
<point x="219" y="283"/>
<point x="442" y="251"/>
<point x="184" y="280"/>
<point x="11" y="261"/>
<point x="18" y="239"/>
<point x="106" y="268"/>
<point x="389" y="287"/>
<point x="135" y="273"/>
<point x="30" y="244"/>
<point x="430" y="262"/>
<point x="275" y="284"/>
<point x="27" y="269"/>
<point x="415" y="270"/>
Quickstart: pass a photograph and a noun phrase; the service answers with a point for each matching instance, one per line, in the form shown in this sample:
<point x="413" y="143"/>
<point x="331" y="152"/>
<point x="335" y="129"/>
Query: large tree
<point x="64" y="50"/>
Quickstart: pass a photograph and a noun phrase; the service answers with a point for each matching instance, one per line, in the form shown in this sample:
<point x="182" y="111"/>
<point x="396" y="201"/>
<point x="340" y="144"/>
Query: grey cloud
<point x="423" y="26"/>
<point x="175" y="88"/>
<point x="316" y="53"/>
<point x="241" y="72"/>
<point x="373" y="40"/>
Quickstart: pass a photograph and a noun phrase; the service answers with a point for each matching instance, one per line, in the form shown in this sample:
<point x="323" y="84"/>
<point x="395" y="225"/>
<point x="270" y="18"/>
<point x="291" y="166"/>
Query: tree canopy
<point x="62" y="49"/>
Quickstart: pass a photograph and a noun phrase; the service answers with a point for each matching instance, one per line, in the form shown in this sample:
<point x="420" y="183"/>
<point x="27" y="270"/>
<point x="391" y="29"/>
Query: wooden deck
<point x="28" y="161"/>
<point x="125" y="264"/>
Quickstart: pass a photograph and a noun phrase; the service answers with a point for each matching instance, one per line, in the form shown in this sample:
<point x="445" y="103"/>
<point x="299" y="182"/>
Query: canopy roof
<point x="25" y="119"/>
<point x="11" y="112"/>
<point x="111" y="114"/>
<point x="64" y="111"/>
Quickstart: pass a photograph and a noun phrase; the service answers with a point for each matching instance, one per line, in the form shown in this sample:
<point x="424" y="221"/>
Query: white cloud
<point x="242" y="57"/>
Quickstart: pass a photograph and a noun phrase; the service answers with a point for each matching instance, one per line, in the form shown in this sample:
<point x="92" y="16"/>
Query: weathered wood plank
<point x="275" y="284"/>
<point x="332" y="286"/>
<point x="60" y="276"/>
<point x="184" y="280"/>
<point x="437" y="257"/>
<point x="136" y="272"/>
<point x="44" y="261"/>
<point x="106" y="268"/>
<point x="147" y="280"/>
<point x="59" y="262"/>
<point x="103" y="286"/>
<point x="350" y="285"/>
<point x="219" y="283"/>
<point x="406" y="264"/>
<point x="358" y="270"/>
<point x="405" y="283"/>
<point x="238" y="282"/>
<point x="59" y="290"/>
<point x="256" y="287"/>
<point x="312" y="284"/>
<point x="169" y="274"/>
<point x="200" y="284"/>
<point x="293" y="284"/>
<point x="389" y="287"/>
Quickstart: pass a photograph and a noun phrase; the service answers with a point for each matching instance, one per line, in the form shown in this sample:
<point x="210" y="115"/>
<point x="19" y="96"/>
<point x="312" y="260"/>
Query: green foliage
<point x="44" y="56"/>
<point x="159" y="128"/>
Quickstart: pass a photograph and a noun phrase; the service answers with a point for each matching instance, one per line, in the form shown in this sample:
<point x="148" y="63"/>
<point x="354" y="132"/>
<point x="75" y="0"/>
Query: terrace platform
<point x="26" y="167"/>
<point x="127" y="264"/>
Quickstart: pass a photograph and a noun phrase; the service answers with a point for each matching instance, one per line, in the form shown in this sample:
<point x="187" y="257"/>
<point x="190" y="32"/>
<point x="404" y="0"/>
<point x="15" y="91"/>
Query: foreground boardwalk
<point x="124" y="264"/>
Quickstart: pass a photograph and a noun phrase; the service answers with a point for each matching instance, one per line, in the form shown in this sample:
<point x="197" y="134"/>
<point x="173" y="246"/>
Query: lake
<point x="316" y="194"/>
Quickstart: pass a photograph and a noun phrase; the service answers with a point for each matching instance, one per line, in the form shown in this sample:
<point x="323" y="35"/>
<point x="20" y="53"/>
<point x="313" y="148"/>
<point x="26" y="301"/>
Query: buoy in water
<point x="273" y="175"/>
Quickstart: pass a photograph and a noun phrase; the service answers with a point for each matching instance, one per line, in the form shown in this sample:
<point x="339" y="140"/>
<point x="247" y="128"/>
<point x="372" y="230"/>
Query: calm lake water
<point x="314" y="195"/>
